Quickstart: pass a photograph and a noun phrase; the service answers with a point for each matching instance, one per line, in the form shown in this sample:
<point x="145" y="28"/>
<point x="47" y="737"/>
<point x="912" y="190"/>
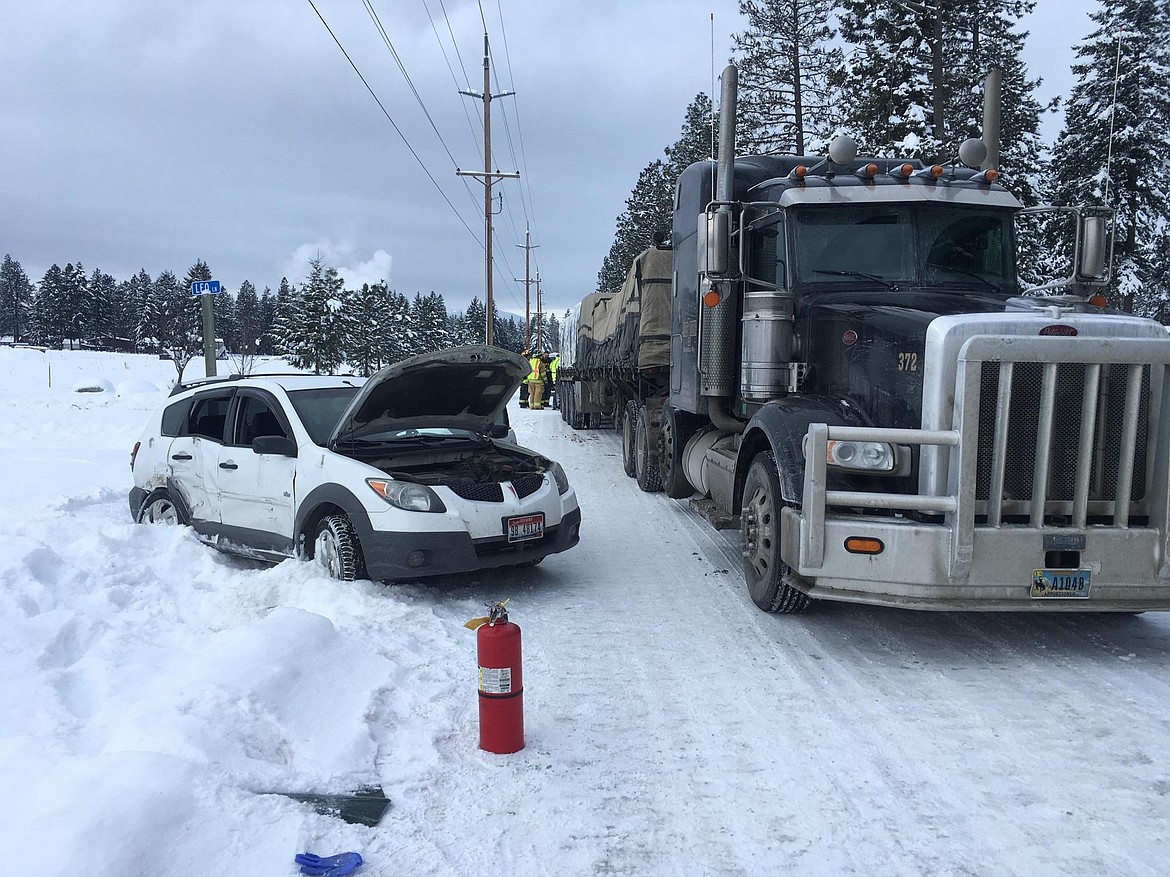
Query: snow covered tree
<point x="170" y="321"/>
<point x="474" y="324"/>
<point x="47" y="322"/>
<point x="247" y="330"/>
<point x="311" y="330"/>
<point x="1135" y="180"/>
<point x="16" y="298"/>
<point x="429" y="313"/>
<point x="74" y="303"/>
<point x="784" y="59"/>
<point x="398" y="337"/>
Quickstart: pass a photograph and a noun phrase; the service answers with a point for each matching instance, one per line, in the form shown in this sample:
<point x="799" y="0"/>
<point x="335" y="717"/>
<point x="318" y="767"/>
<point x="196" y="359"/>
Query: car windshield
<point x="320" y="409"/>
<point x="898" y="244"/>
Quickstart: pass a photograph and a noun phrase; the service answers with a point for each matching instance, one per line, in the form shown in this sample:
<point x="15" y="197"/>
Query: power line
<point x="394" y="124"/>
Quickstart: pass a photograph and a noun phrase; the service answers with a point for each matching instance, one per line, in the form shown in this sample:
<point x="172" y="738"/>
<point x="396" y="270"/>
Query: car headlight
<point x="561" y="478"/>
<point x="407" y="495"/>
<point x="868" y="456"/>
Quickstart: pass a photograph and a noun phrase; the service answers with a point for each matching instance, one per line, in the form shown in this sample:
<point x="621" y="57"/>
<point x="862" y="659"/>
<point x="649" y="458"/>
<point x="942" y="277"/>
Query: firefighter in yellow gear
<point x="536" y="378"/>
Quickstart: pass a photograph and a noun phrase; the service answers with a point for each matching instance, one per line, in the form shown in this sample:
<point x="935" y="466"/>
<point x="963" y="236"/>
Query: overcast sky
<point x="150" y="134"/>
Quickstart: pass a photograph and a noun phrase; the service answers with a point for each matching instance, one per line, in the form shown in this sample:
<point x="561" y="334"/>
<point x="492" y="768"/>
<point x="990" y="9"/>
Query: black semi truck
<point x="850" y="375"/>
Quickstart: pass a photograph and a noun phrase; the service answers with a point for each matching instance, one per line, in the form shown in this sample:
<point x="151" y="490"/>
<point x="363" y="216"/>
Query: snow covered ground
<point x="155" y="690"/>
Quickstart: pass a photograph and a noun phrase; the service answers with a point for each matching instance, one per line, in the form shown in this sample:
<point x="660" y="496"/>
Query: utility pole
<point x="528" y="248"/>
<point x="539" y="317"/>
<point x="488" y="176"/>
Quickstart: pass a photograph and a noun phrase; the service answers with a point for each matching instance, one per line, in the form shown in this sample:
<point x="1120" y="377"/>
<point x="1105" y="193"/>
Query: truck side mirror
<point x="714" y="240"/>
<point x="1091" y="264"/>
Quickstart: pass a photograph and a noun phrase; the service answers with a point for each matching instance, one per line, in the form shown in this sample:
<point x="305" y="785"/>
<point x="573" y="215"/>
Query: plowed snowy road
<point x="846" y="740"/>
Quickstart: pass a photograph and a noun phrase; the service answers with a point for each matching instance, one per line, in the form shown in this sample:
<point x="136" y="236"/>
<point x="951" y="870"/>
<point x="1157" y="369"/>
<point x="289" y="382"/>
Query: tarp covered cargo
<point x="629" y="330"/>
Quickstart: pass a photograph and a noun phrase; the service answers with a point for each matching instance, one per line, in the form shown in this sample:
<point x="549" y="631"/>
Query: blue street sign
<point x="205" y="287"/>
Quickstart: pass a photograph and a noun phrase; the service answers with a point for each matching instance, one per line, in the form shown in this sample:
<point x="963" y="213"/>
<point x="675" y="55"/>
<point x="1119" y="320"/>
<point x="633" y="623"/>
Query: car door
<point x="194" y="454"/>
<point x="256" y="490"/>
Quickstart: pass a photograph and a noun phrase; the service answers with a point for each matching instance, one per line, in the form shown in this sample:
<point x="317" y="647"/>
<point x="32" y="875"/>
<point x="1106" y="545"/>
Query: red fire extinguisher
<point x="501" y="682"/>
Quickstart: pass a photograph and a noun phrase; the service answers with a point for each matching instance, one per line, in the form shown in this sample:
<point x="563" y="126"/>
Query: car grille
<point x="476" y="492"/>
<point x="1067" y="409"/>
<point x="525" y="485"/>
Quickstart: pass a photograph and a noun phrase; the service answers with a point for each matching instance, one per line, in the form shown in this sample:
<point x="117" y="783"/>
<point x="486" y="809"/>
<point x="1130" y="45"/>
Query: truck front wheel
<point x="763" y="570"/>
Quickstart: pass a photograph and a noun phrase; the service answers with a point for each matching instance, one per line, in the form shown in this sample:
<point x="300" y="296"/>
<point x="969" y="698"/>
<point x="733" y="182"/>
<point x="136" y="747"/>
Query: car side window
<point x="255" y="418"/>
<point x="209" y="416"/>
<point x="175" y="418"/>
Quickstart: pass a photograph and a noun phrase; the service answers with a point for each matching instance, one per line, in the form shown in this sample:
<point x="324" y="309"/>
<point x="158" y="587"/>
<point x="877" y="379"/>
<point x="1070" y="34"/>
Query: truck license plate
<point x="1061" y="584"/>
<point x="527" y="527"/>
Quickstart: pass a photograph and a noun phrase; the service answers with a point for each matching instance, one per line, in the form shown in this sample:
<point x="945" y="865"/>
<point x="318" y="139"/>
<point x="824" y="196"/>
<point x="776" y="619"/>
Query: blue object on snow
<point x="329" y="866"/>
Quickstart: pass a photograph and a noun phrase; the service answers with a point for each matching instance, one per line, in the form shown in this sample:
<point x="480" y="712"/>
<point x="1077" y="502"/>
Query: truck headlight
<point x="868" y="456"/>
<point x="407" y="495"/>
<point x="561" y="478"/>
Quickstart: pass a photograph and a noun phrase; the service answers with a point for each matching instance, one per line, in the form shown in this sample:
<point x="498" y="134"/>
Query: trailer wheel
<point x="629" y="426"/>
<point x="645" y="466"/>
<point x="674" y="431"/>
<point x="595" y="420"/>
<point x="764" y="572"/>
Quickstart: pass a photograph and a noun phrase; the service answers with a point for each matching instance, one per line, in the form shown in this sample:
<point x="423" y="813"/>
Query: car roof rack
<point x="183" y="386"/>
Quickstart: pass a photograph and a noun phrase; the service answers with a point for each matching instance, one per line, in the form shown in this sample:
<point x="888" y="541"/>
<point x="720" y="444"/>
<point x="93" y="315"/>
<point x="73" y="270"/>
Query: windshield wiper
<point x="874" y="277"/>
<point x="968" y="273"/>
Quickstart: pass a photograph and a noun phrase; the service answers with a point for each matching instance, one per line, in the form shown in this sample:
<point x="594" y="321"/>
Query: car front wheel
<point x="336" y="548"/>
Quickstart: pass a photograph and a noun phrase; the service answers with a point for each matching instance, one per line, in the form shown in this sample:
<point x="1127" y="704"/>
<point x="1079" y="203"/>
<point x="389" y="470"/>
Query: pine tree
<point x="1135" y="181"/>
<point x="398" y="336"/>
<point x="474" y="329"/>
<point x="650" y="207"/>
<point x="784" y="59"/>
<point x="16" y="298"/>
<point x="100" y="306"/>
<point x="47" y="321"/>
<point x="171" y="321"/>
<point x="312" y="331"/>
<point x="138" y="294"/>
<point x="430" y="322"/>
<point x="915" y="73"/>
<point x="247" y="329"/>
<point x="74" y="303"/>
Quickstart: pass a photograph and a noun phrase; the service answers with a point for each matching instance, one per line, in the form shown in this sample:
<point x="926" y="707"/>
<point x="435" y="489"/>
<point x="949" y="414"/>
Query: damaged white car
<point x="411" y="473"/>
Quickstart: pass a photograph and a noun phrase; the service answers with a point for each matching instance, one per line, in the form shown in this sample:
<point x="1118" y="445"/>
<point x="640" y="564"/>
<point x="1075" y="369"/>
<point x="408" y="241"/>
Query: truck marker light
<point x="936" y="171"/>
<point x="904" y="171"/>
<point x="800" y="171"/>
<point x="988" y="176"/>
<point x="1097" y="300"/>
<point x="868" y="172"/>
<point x="711" y="298"/>
<point x="864" y="545"/>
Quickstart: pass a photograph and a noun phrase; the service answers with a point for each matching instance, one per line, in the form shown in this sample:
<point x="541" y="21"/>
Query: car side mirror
<point x="274" y="444"/>
<point x="499" y="430"/>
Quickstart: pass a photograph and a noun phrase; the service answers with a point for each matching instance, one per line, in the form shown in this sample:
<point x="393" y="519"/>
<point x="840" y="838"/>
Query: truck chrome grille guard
<point x="1049" y="432"/>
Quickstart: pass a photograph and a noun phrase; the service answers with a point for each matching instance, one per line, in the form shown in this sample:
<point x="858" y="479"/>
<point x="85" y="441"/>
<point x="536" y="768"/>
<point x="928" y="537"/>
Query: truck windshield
<point x="899" y="244"/>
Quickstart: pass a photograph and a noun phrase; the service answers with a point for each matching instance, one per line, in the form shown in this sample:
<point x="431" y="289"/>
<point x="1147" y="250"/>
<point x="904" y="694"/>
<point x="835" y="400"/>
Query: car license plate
<point x="527" y="527"/>
<point x="1061" y="584"/>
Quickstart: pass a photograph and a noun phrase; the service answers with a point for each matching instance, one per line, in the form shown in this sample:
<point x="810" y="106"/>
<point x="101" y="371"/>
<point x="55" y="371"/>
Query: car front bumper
<point x="393" y="556"/>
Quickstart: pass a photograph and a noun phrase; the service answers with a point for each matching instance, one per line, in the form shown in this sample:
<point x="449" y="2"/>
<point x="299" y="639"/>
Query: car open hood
<point x="462" y="388"/>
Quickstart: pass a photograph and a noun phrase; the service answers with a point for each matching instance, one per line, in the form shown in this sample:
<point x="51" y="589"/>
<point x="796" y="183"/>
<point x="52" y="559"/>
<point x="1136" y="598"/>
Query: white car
<point x="405" y="475"/>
